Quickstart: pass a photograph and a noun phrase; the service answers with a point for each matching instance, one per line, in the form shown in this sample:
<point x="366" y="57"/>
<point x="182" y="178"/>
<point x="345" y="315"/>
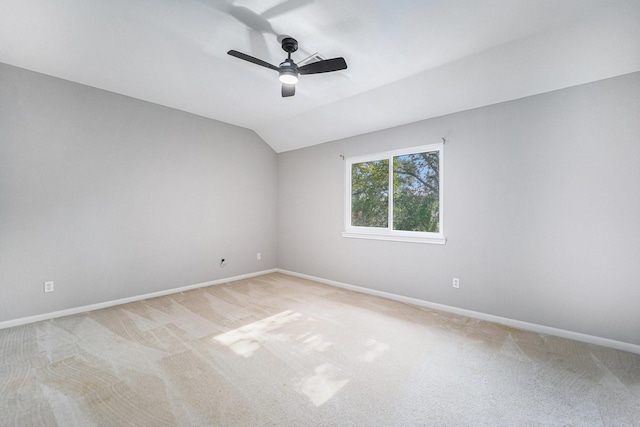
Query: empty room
<point x="320" y="212"/>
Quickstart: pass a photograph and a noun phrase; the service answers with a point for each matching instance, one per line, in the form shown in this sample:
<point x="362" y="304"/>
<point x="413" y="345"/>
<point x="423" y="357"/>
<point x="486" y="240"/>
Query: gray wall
<point x="112" y="197"/>
<point x="542" y="212"/>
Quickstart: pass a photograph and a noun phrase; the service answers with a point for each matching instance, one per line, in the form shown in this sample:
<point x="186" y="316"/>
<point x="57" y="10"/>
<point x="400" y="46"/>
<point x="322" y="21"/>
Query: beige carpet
<point x="278" y="350"/>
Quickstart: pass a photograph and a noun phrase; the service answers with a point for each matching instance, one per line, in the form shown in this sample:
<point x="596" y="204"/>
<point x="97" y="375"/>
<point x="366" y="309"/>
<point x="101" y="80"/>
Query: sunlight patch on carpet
<point x="246" y="340"/>
<point x="321" y="386"/>
<point x="374" y="350"/>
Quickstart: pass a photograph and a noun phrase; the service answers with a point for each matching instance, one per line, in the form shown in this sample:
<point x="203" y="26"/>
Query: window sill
<point x="395" y="238"/>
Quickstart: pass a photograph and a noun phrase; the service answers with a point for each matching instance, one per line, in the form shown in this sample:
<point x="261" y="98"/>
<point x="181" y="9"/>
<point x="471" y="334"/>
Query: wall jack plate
<point x="48" y="286"/>
<point x="456" y="282"/>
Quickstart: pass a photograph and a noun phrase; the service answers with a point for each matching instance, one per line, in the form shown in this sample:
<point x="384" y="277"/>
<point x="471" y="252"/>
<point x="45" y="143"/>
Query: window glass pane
<point x="370" y="194"/>
<point x="416" y="189"/>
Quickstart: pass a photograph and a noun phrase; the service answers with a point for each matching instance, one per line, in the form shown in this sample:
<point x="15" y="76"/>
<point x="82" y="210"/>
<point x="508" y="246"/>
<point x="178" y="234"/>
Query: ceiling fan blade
<point x="284" y="7"/>
<point x="333" y="64"/>
<point x="252" y="59"/>
<point x="288" y="90"/>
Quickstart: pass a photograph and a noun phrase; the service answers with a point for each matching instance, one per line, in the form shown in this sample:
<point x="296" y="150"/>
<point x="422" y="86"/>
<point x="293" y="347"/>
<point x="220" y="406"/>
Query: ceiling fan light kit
<point x="288" y="71"/>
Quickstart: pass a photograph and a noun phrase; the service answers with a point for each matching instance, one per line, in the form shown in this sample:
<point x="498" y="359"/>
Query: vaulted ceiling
<point x="408" y="60"/>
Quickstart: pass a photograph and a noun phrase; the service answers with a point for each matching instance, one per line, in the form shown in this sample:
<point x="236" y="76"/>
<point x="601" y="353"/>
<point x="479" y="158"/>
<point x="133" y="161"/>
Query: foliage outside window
<point x="411" y="210"/>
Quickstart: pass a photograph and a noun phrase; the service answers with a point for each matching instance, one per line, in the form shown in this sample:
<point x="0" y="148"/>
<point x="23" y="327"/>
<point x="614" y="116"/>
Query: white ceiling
<point x="407" y="59"/>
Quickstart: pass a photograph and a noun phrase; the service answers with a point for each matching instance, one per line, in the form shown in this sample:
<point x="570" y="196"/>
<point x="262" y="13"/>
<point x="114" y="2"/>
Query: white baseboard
<point x="83" y="309"/>
<point x="517" y="324"/>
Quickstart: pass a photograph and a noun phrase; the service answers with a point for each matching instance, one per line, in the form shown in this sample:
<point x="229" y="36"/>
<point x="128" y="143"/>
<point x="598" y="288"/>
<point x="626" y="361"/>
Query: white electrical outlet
<point x="48" y="286"/>
<point x="258" y="255"/>
<point x="456" y="282"/>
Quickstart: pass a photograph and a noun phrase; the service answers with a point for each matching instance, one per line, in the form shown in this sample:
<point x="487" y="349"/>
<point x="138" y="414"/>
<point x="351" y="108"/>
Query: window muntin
<point x="414" y="210"/>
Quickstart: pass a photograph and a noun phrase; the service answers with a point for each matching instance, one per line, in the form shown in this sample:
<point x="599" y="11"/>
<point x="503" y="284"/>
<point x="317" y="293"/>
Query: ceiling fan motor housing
<point x="288" y="72"/>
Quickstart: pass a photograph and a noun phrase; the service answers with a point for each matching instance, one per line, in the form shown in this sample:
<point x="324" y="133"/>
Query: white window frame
<point x="388" y="233"/>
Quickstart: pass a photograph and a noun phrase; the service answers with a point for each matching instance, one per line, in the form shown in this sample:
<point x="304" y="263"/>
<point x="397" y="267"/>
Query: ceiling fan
<point x="288" y="69"/>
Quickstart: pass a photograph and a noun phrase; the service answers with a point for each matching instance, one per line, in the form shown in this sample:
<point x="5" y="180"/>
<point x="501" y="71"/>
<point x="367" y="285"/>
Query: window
<point x="395" y="195"/>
